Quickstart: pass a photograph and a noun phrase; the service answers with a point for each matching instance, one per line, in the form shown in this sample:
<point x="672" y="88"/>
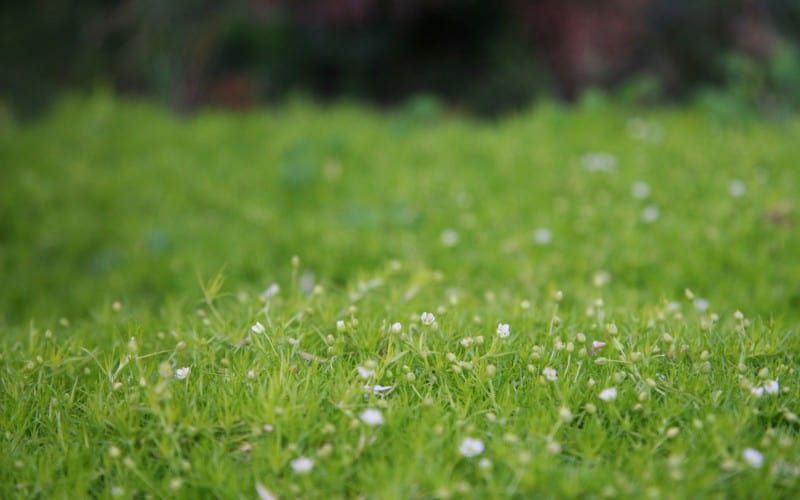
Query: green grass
<point x="134" y="243"/>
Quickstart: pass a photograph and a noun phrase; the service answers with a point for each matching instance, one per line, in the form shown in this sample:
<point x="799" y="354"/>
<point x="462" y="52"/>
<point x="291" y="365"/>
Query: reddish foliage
<point x="584" y="42"/>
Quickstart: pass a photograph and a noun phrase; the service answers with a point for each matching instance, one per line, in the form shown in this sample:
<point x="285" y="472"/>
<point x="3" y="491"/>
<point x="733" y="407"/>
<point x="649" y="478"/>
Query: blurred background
<point x="483" y="57"/>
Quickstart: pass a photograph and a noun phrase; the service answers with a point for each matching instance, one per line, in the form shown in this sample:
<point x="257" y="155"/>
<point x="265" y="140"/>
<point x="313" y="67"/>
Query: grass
<point x="135" y="244"/>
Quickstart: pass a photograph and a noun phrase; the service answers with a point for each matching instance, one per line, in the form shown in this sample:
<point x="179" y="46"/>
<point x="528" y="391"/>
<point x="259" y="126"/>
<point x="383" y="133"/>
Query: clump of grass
<point x="441" y="392"/>
<point x="560" y="304"/>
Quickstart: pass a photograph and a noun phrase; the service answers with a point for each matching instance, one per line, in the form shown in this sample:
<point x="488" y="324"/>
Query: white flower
<point x="640" y="190"/>
<point x="340" y="326"/>
<point x="396" y="327"/>
<point x="601" y="278"/>
<point x="701" y="304"/>
<point x="642" y="130"/>
<point x="503" y="330"/>
<point x="771" y="387"/>
<point x="381" y="390"/>
<point x="271" y="291"/>
<point x="485" y="463"/>
<point x="302" y="465"/>
<point x="736" y="188"/>
<point x="757" y="392"/>
<point x="753" y="457"/>
<point x="427" y="318"/>
<point x="598" y="344"/>
<point x="450" y="237"/>
<point x="264" y="493"/>
<point x="364" y="372"/>
<point x="471" y="447"/>
<point x="467" y="341"/>
<point x="650" y="214"/>
<point x="550" y="374"/>
<point x="599" y="162"/>
<point x="182" y="373"/>
<point x="609" y="394"/>
<point x="258" y="328"/>
<point x="372" y="417"/>
<point x="542" y="236"/>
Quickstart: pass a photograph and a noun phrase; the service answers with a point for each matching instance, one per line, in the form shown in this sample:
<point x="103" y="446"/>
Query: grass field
<point x="320" y="302"/>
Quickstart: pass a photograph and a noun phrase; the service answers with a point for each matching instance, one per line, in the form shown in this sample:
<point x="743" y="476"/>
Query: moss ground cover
<point x="331" y="302"/>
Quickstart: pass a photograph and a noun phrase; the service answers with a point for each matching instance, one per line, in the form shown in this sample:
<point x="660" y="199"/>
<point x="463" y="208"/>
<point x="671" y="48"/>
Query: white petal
<point x="264" y="493"/>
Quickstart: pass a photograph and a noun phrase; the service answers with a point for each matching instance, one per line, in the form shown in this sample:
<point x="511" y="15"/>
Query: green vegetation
<point x="569" y="302"/>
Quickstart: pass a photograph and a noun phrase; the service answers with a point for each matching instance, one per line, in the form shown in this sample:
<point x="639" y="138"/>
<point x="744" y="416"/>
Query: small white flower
<point x="449" y="237"/>
<point x="542" y="236"/>
<point x="757" y="392"/>
<point x="264" y="493"/>
<point x="598" y="344"/>
<point x="601" y="278"/>
<point x="599" y="162"/>
<point x="736" y="188"/>
<point x="771" y="387"/>
<point x="258" y="328"/>
<point x="340" y="326"/>
<point x="753" y="457"/>
<point x="467" y="341"/>
<point x="381" y="390"/>
<point x="182" y="373"/>
<point x="640" y="190"/>
<point x="396" y="327"/>
<point x="471" y="447"/>
<point x="485" y="463"/>
<point x="503" y="330"/>
<point x="427" y="318"/>
<point x="364" y="372"/>
<point x="701" y="304"/>
<point x="609" y="394"/>
<point x="371" y="417"/>
<point x="643" y="130"/>
<point x="302" y="465"/>
<point x="650" y="214"/>
<point x="271" y="291"/>
<point x="550" y="374"/>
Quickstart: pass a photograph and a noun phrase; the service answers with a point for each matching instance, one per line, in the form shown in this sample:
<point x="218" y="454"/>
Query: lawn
<point x="329" y="301"/>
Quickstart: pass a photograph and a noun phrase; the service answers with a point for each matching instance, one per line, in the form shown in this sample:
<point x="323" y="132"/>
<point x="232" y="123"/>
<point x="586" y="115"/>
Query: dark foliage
<point x="483" y="56"/>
